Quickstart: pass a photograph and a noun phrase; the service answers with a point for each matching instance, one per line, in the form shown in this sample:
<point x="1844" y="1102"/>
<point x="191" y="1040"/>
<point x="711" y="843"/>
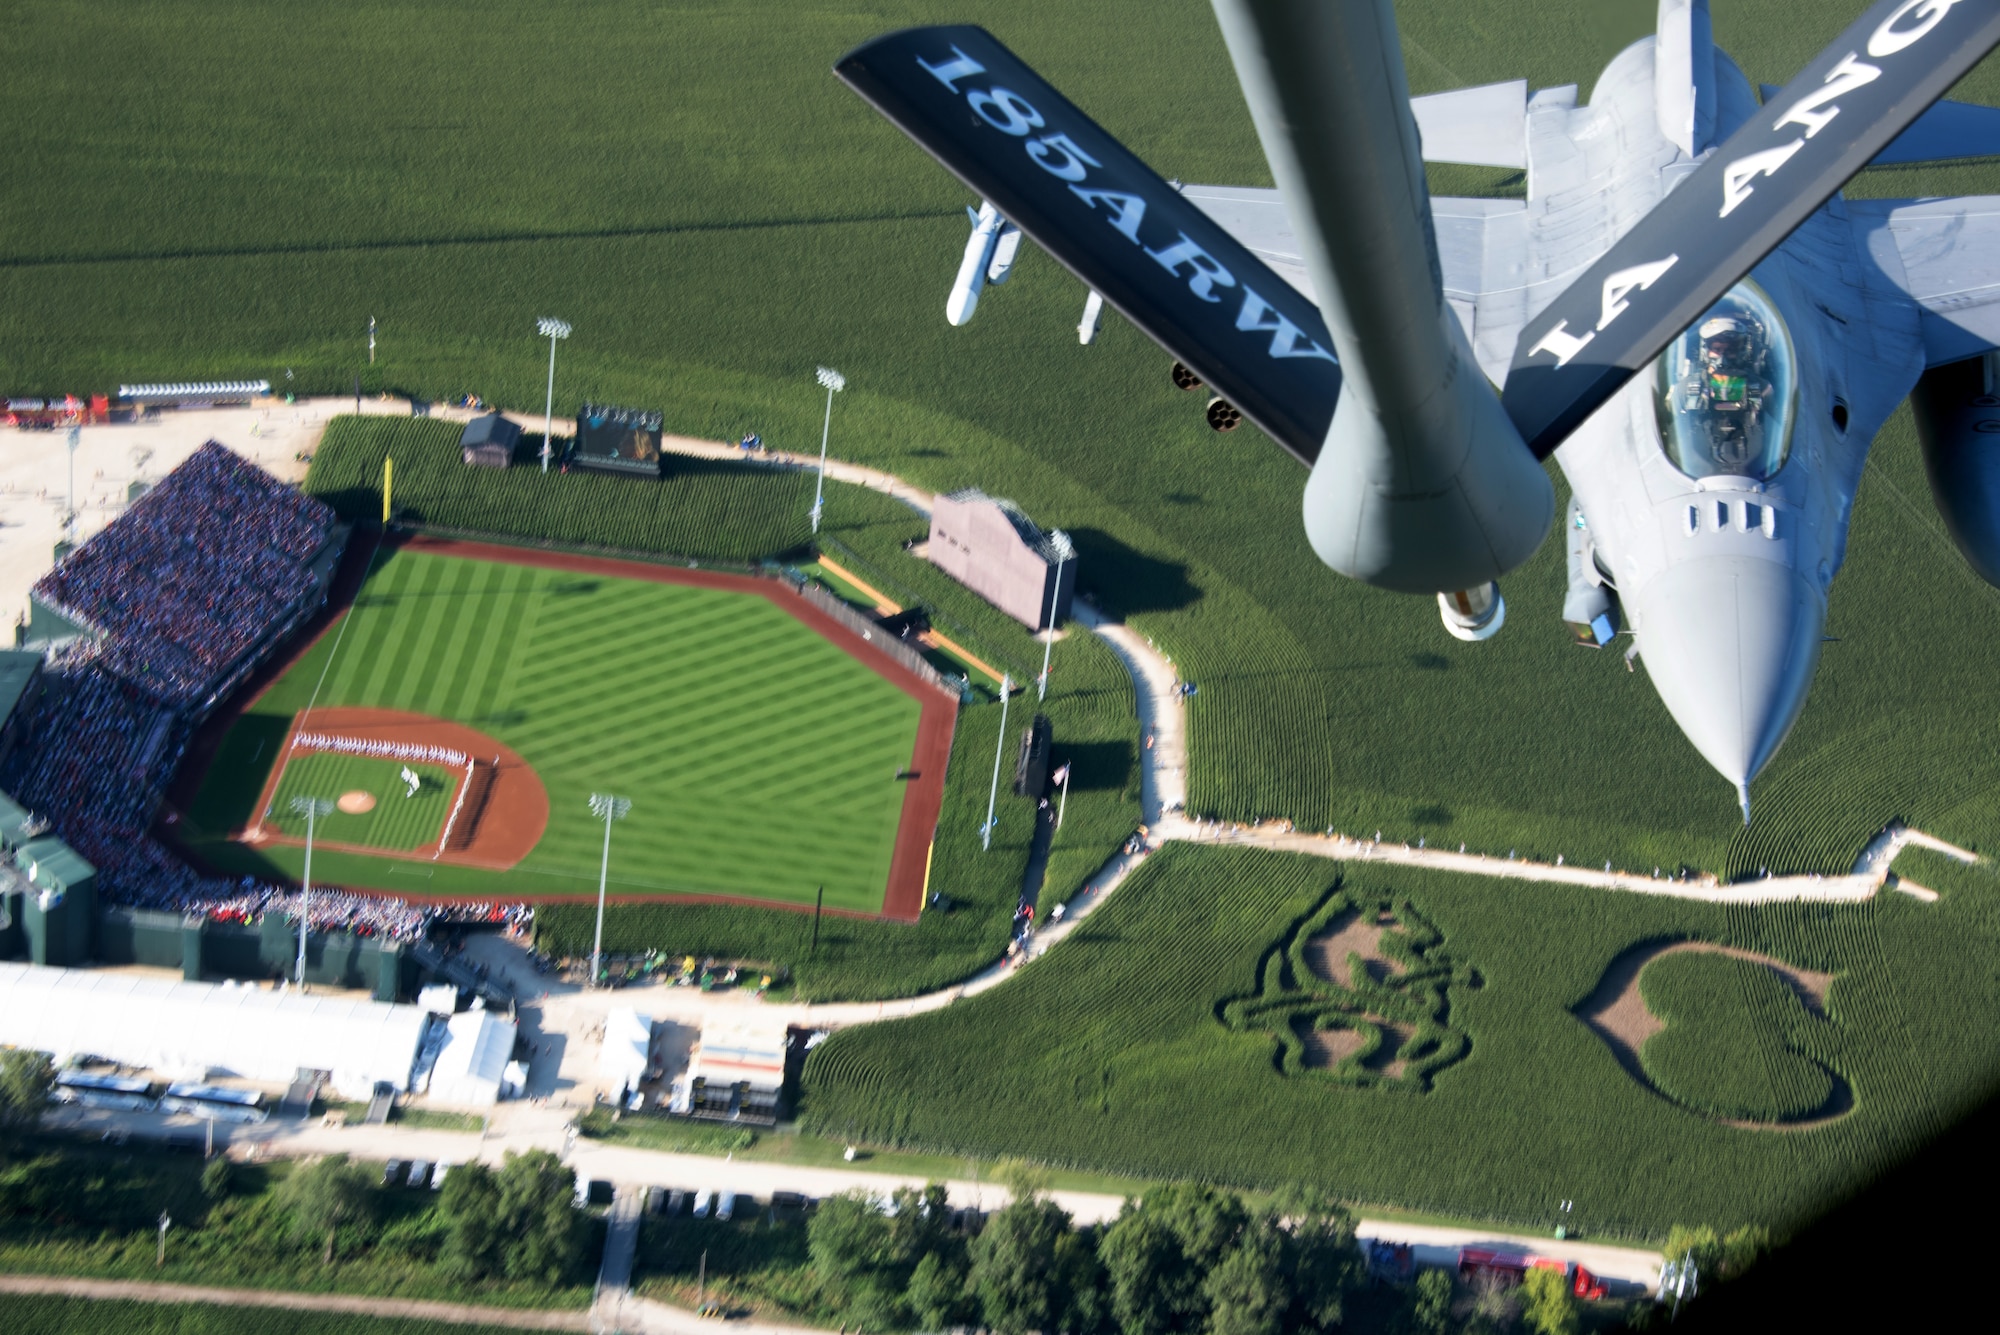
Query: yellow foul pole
<point x="388" y="485"/>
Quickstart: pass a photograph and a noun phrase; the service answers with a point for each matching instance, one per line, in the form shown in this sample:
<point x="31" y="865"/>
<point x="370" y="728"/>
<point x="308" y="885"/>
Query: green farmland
<point x="400" y="821"/>
<point x="721" y="225"/>
<point x="1122" y="1050"/>
<point x="246" y="184"/>
<point x="760" y="757"/>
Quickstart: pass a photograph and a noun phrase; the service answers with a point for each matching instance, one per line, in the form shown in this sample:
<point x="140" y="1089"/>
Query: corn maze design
<point x="1358" y="992"/>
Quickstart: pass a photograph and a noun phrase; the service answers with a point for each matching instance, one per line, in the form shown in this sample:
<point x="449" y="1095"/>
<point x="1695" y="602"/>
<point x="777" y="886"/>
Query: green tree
<point x="218" y="1178"/>
<point x="25" y="1081"/>
<point x="1015" y="1267"/>
<point x="1084" y="1286"/>
<point x="538" y="1217"/>
<point x="1151" y="1287"/>
<point x="320" y="1197"/>
<point x="1022" y="1178"/>
<point x="1547" y="1305"/>
<point x="474" y="1241"/>
<point x="919" y="1224"/>
<point x="1159" y="1252"/>
<point x="1741" y="1248"/>
<point x="1430" y="1308"/>
<point x="848" y="1237"/>
<point x="1322" y="1264"/>
<point x="939" y="1297"/>
<point x="1246" y="1292"/>
<point x="1699" y="1243"/>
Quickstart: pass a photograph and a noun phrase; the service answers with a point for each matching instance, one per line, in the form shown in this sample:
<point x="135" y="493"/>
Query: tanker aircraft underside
<point x="1683" y="310"/>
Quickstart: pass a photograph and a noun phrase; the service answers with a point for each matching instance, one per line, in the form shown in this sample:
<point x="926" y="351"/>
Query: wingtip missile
<point x="972" y="269"/>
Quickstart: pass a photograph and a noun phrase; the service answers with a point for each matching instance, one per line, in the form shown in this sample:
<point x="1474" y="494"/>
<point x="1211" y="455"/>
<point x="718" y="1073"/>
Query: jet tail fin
<point x="1684" y="75"/>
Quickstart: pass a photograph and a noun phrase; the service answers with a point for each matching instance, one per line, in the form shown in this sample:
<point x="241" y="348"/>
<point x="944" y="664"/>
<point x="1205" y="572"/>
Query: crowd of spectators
<point x="196" y="576"/>
<point x="192" y="587"/>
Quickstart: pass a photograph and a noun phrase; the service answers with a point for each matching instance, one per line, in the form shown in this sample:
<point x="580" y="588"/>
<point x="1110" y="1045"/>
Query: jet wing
<point x="1475" y="238"/>
<point x="1108" y="218"/>
<point x="1948" y="130"/>
<point x="1950" y="252"/>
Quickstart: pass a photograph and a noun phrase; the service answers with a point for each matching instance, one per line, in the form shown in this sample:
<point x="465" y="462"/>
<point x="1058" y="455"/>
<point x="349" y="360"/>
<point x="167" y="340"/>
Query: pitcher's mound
<point x="356" y="803"/>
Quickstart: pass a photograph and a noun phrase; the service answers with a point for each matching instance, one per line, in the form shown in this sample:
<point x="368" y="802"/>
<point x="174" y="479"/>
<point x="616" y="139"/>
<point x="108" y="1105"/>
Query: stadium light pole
<point x="610" y="808"/>
<point x="312" y="808"/>
<point x="999" y="749"/>
<point x="1061" y="542"/>
<point x="834" y="382"/>
<point x="550" y="329"/>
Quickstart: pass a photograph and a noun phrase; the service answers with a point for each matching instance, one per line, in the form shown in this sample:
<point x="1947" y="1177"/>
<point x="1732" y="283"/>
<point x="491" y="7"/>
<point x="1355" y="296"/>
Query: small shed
<point x="489" y="441"/>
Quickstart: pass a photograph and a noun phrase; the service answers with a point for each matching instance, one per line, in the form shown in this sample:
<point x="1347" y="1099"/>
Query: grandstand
<point x="148" y="627"/>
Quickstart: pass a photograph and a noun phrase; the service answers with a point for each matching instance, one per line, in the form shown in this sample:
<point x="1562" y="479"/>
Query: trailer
<point x="1506" y="1269"/>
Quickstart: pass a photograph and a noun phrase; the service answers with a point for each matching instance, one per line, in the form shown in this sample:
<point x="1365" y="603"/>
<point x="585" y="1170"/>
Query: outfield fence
<point x="867" y="628"/>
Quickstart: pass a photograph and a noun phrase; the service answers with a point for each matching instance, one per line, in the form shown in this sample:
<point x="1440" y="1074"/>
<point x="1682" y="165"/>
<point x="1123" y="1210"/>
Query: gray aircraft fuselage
<point x="1724" y="578"/>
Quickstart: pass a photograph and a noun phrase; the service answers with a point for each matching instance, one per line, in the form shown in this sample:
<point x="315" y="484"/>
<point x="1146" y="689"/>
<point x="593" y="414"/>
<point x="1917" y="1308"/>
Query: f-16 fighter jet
<point x="1683" y="311"/>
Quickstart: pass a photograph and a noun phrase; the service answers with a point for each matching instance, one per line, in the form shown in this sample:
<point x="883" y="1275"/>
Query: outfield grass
<point x="400" y="821"/>
<point x="760" y="757"/>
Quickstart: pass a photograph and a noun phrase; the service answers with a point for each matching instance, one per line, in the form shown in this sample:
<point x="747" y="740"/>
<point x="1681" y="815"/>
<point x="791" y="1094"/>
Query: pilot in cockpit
<point x="1730" y="387"/>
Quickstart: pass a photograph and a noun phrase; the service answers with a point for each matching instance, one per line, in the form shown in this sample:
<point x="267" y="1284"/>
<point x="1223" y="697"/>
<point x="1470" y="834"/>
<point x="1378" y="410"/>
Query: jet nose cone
<point x="1730" y="643"/>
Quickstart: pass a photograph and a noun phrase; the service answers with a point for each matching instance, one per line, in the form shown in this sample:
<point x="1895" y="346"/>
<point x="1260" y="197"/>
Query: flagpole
<point x="999" y="749"/>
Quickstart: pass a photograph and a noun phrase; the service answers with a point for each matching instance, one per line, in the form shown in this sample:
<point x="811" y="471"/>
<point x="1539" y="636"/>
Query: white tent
<point x="473" y="1065"/>
<point x="194" y="1030"/>
<point x="628" y="1046"/>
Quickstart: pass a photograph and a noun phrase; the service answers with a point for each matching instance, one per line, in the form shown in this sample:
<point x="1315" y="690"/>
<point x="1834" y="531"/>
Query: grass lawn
<point x="399" y="822"/>
<point x="27" y="1315"/>
<point x="760" y="758"/>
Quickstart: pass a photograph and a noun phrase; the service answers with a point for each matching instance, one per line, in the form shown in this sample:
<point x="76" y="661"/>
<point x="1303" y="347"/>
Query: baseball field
<point x="763" y="758"/>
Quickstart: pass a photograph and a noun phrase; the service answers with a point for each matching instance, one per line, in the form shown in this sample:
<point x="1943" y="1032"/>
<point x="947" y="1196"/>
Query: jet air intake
<point x="1958" y="421"/>
<point x="1422" y="485"/>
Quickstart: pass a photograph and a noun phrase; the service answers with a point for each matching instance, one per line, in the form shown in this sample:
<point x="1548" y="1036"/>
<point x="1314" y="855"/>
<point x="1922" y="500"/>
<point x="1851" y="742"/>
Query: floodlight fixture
<point x="607" y="808"/>
<point x="833" y="382"/>
<point x="551" y="329"/>
<point x="312" y="808"/>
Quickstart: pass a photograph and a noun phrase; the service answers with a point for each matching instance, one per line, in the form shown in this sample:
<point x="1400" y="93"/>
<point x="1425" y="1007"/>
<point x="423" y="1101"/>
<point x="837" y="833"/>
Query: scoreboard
<point x="610" y="439"/>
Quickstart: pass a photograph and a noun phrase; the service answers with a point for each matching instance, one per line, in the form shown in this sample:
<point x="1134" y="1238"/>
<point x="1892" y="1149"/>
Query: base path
<point x="409" y="1309"/>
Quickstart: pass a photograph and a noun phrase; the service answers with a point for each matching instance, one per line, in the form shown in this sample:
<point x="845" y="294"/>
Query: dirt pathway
<point x="411" y="1309"/>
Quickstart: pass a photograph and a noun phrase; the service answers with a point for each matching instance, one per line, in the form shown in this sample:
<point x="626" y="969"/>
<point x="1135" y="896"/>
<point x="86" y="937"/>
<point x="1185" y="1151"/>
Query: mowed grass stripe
<point x="474" y="607"/>
<point x="504" y="650"/>
<point x="376" y="619"/>
<point x="446" y="607"/>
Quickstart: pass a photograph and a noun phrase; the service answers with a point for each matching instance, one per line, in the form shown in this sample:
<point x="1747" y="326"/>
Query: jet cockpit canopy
<point x="1726" y="390"/>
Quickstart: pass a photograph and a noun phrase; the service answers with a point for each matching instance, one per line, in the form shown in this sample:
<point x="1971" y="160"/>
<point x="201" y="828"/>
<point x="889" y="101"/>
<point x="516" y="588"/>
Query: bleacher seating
<point x="190" y="590"/>
<point x="188" y="584"/>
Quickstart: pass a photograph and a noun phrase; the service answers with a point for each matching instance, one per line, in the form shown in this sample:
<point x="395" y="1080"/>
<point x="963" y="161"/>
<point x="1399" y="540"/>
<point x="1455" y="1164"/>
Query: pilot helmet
<point x="1729" y="344"/>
